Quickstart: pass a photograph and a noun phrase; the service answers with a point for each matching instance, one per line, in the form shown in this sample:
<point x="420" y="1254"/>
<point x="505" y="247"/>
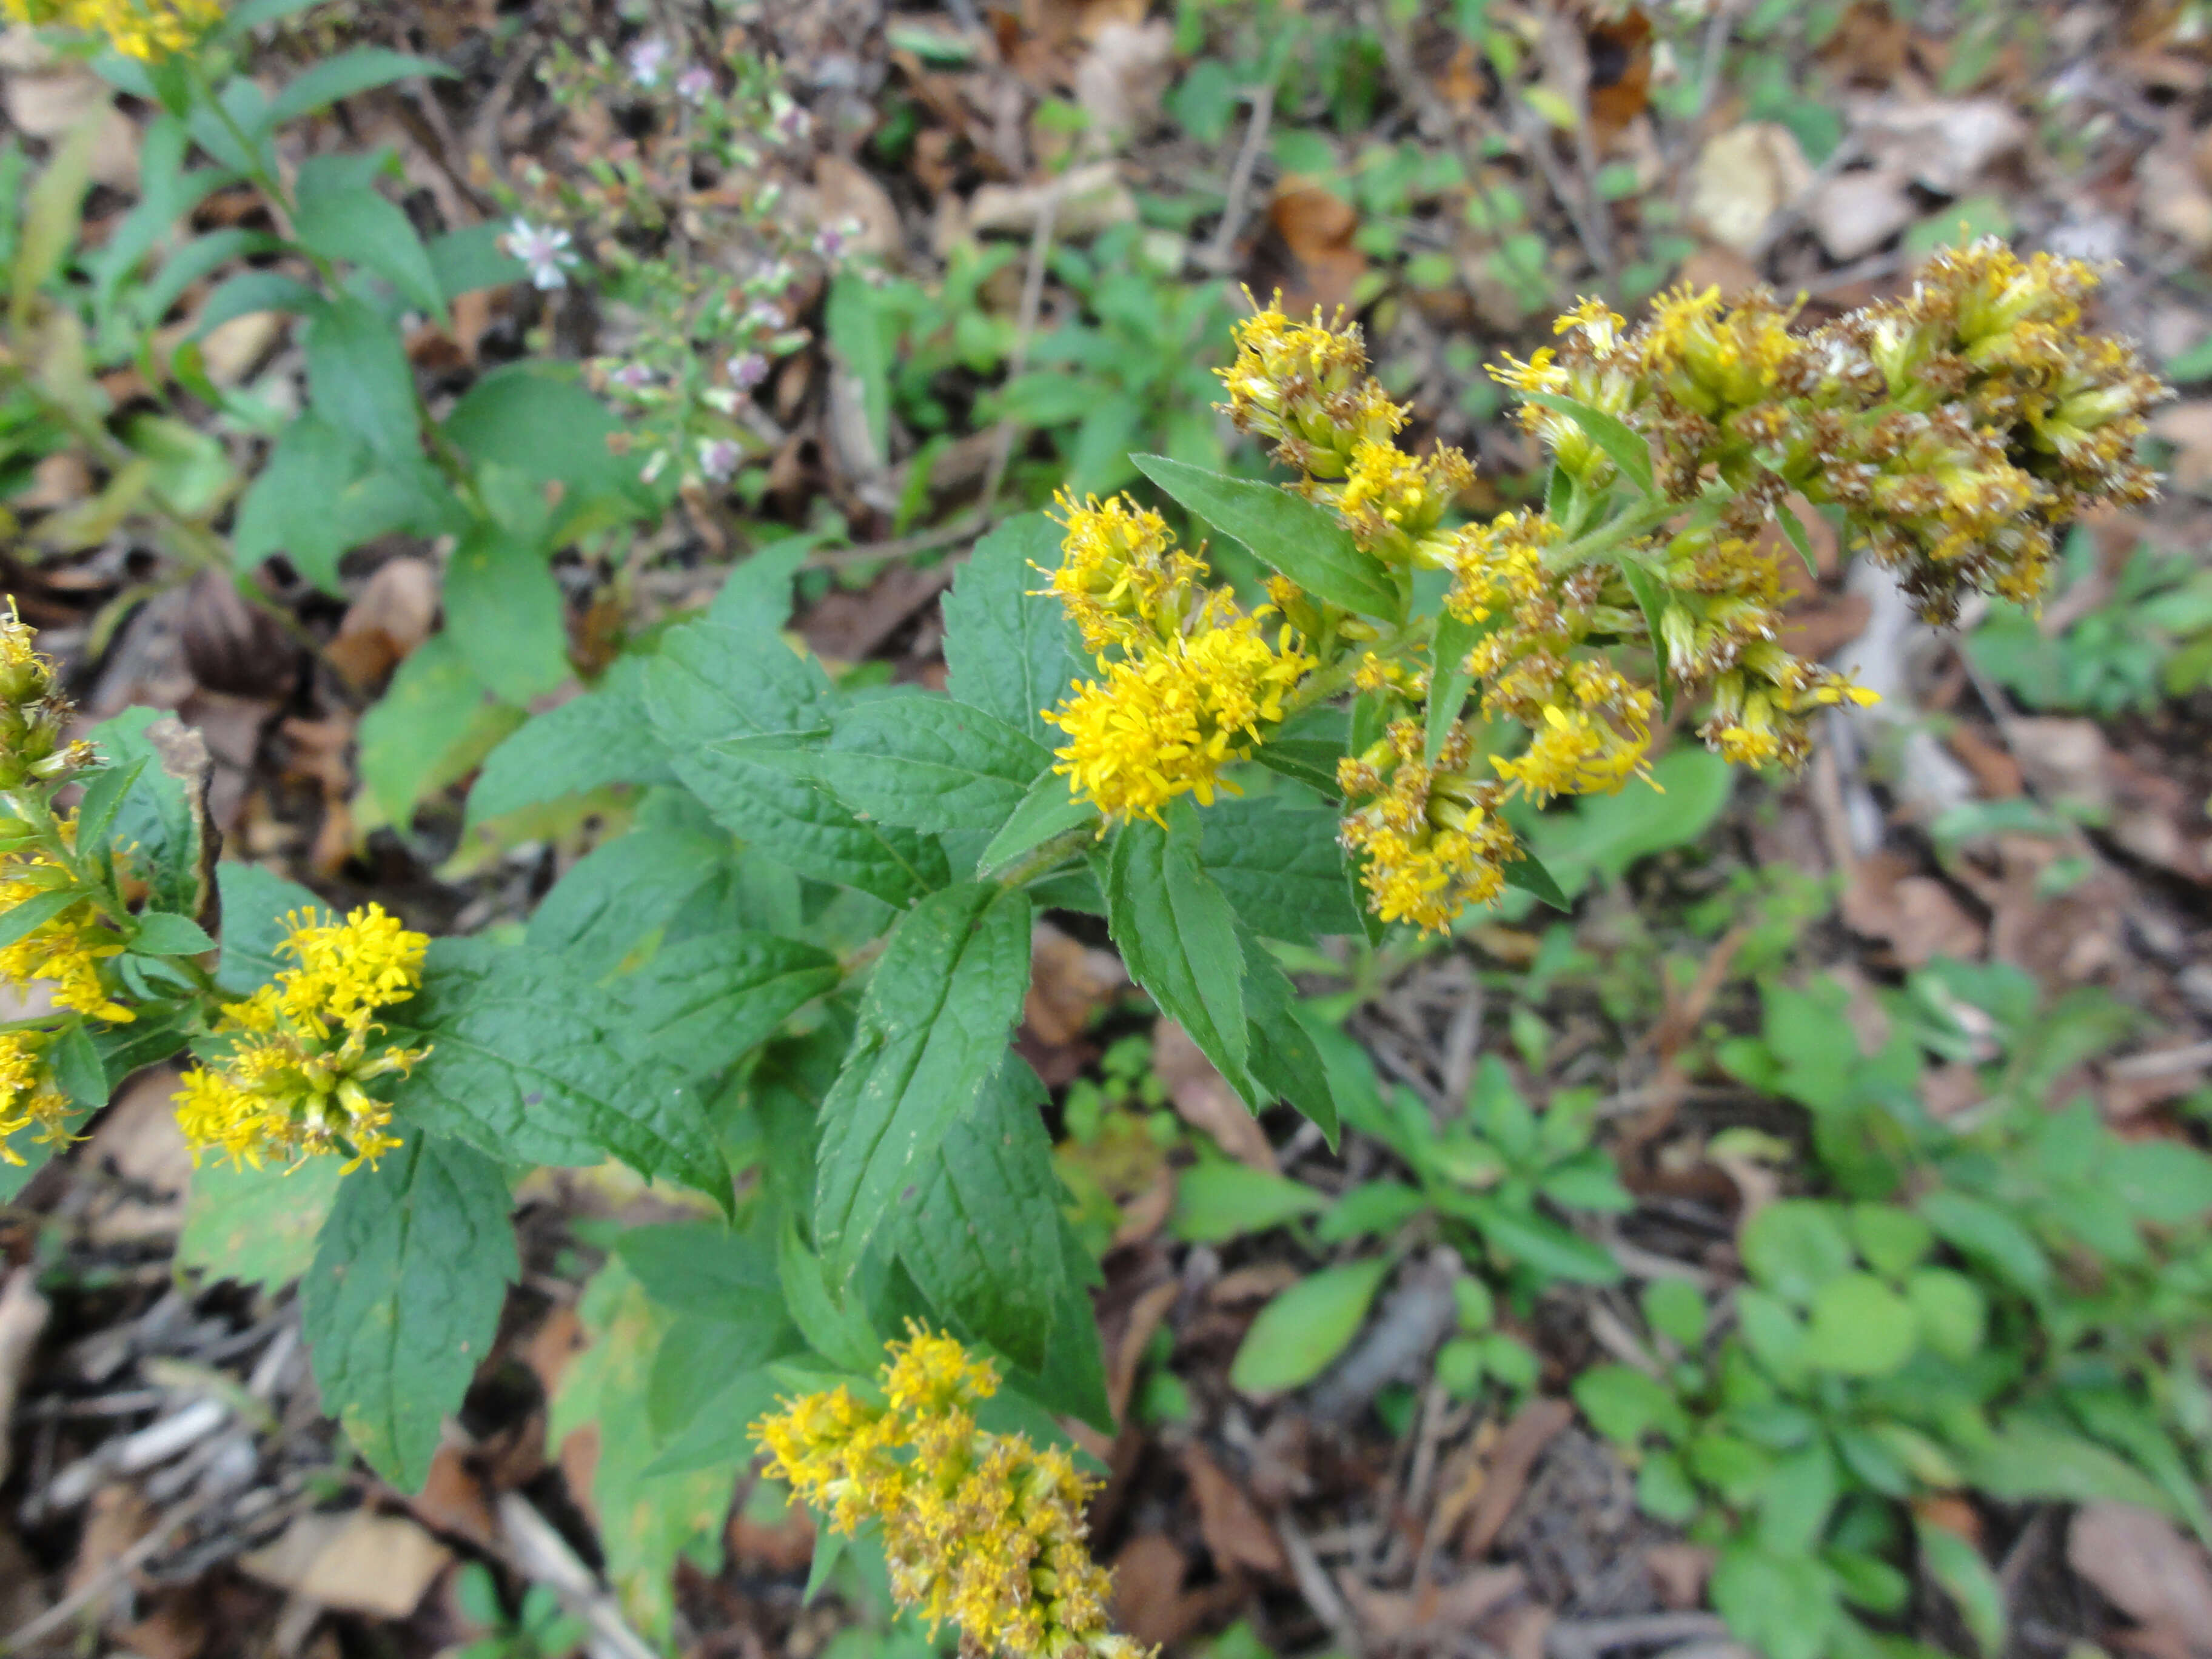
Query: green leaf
<point x="52" y="211"/>
<point x="403" y="1299"/>
<point x="1982" y="1231"/>
<point x="1952" y="1313"/>
<point x="1651" y="600"/>
<point x="1299" y="1334"/>
<point x="1794" y="528"/>
<point x="2166" y="1183"/>
<point x="160" y="819"/>
<point x="21" y="920"/>
<point x="160" y="935"/>
<point x="1542" y="1243"/>
<point x="930" y="1031"/>
<point x="1308" y="543"/>
<point x="103" y="799"/>
<point x="551" y="430"/>
<point x="839" y="1333"/>
<point x="255" y="902"/>
<point x="704" y="1270"/>
<point x="341" y="221"/>
<point x="1782" y="1607"/>
<point x="2032" y="1457"/>
<point x="358" y="378"/>
<point x="1796" y="1498"/>
<point x="505" y="614"/>
<point x="472" y="258"/>
<point x="1178" y="935"/>
<point x="361" y="70"/>
<point x="1527" y="874"/>
<point x="1009" y="649"/>
<point x="1286" y="1063"/>
<point x="530" y="1061"/>
<point x="1277" y="861"/>
<point x="735" y="706"/>
<point x="603" y="736"/>
<point x="615" y="896"/>
<point x="434" y="722"/>
<point x="981" y="1234"/>
<point x="257" y="1227"/>
<point x="1675" y="1309"/>
<point x="1860" y="1327"/>
<point x="855" y="327"/>
<point x="251" y="291"/>
<point x="703" y="1004"/>
<point x="1794" y="1246"/>
<point x="1217" y="1200"/>
<point x="720" y="1434"/>
<point x="1624" y="444"/>
<point x="1448" y="653"/>
<point x="1891" y="1238"/>
<point x="930" y="764"/>
<point x="78" y="1068"/>
<point x="1958" y="1566"/>
<point x="649" y="1516"/>
<point x="1047" y="810"/>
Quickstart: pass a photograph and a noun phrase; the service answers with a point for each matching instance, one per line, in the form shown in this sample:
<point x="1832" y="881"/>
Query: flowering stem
<point x="1324" y="684"/>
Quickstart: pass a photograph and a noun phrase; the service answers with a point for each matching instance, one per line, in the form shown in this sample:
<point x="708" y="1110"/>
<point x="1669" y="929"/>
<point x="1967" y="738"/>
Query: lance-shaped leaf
<point x="1308" y="543"/>
<point x="1178" y="935"/>
<point x="931" y="1032"/>
<point x="403" y="1298"/>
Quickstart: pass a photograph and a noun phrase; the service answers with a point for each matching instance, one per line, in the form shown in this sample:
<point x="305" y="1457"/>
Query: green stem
<point x="1324" y="684"/>
<point x="1047" y="855"/>
<point x="33" y="807"/>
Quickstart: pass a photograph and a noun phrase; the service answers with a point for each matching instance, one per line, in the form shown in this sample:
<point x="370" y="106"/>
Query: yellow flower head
<point x="28" y="1094"/>
<point x="1389" y="497"/>
<point x="1430" y="840"/>
<point x="148" y="30"/>
<point x="1121" y="577"/>
<point x="66" y="949"/>
<point x="1304" y="387"/>
<point x="294" y="1082"/>
<point x="1165" y="723"/>
<point x="983" y="1529"/>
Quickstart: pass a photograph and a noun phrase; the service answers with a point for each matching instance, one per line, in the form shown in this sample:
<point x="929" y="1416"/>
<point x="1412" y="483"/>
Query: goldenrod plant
<point x="790" y="983"/>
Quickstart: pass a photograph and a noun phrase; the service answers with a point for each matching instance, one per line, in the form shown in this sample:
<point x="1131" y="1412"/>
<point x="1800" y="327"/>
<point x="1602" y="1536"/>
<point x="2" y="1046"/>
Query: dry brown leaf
<point x="1204" y="1100"/>
<point x="1996" y="771"/>
<point x="782" y="1547"/>
<point x="1744" y="177"/>
<point x="1505" y="1477"/>
<point x="1619" y="51"/>
<point x="396" y="611"/>
<point x="117" y="1518"/>
<point x="139" y="1142"/>
<point x="1679" y="1572"/>
<point x="1069" y="982"/>
<point x="24" y="1314"/>
<point x="846" y="191"/>
<point x="1916" y="915"/>
<point x="22" y="1594"/>
<point x="1128" y="1352"/>
<point x="2188" y="427"/>
<point x="1316" y="226"/>
<point x="1390" y="1616"/>
<point x="1121" y="80"/>
<point x="2143" y="1566"/>
<point x="1722" y="268"/>
<point x="380" y="1564"/>
<point x="1236" y="1533"/>
<point x="1855" y="213"/>
<point x="232" y="348"/>
<point x="452" y="1499"/>
<point x="1149" y="1601"/>
<point x="1085" y="200"/>
<point x="2173" y="198"/>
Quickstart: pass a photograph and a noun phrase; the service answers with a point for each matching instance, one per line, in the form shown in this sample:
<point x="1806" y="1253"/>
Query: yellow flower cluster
<point x="66" y="948"/>
<point x="35" y="746"/>
<point x="1188" y="683"/>
<point x="148" y="30"/>
<point x="1429" y="839"/>
<point x="301" y="1049"/>
<point x="28" y="1094"/>
<point x="980" y="1529"/>
<point x="1304" y="389"/>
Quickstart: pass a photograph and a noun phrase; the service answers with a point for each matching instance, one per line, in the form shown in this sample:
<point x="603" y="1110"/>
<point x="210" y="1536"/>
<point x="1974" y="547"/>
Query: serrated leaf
<point x="78" y="1068"/>
<point x="505" y="613"/>
<point x="1047" y="810"/>
<point x="256" y="1226"/>
<point x="703" y="1004"/>
<point x="1308" y="543"/>
<point x="255" y="902"/>
<point x="359" y="380"/>
<point x="1299" y="1334"/>
<point x="982" y="1234"/>
<point x="162" y="935"/>
<point x="551" y="430"/>
<point x="343" y="221"/>
<point x="705" y="1270"/>
<point x="647" y="1517"/>
<point x="930" y="764"/>
<point x="610" y="900"/>
<point x="25" y="917"/>
<point x="530" y="1061"/>
<point x="1277" y="861"/>
<point x="931" y="1032"/>
<point x="1285" y="1061"/>
<point x="1178" y="935"/>
<point x="603" y="736"/>
<point x="403" y="1299"/>
<point x="103" y="799"/>
<point x="1010" y="649"/>
<point x="1622" y="443"/>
